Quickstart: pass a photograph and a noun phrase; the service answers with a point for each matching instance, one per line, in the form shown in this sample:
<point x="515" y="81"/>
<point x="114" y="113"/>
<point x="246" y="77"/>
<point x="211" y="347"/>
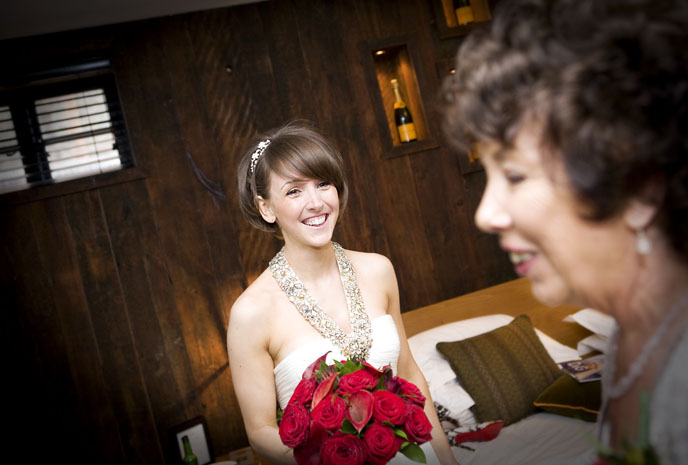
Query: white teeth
<point x="517" y="257"/>
<point x="315" y="221"/>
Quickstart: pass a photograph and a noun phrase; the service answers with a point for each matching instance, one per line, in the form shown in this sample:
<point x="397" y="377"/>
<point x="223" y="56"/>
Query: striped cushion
<point x="504" y="370"/>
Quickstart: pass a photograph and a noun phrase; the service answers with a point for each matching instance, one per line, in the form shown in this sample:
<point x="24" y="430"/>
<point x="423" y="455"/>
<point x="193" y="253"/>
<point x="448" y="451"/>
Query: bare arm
<point x="408" y="369"/>
<point x="254" y="383"/>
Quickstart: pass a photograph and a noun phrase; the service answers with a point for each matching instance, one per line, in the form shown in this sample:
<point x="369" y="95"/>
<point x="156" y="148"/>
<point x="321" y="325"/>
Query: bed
<point x="495" y="365"/>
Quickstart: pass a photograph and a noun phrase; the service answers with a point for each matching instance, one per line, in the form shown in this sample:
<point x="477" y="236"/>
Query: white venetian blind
<point x="12" y="176"/>
<point x="72" y="128"/>
<point x="77" y="133"/>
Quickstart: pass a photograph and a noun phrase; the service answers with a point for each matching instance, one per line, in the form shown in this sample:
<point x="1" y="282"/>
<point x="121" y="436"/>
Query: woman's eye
<point x="513" y="177"/>
<point x="292" y="192"/>
<point x="324" y="184"/>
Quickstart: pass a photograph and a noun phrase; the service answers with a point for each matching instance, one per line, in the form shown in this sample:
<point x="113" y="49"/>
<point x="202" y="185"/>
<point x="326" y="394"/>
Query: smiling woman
<point x="315" y="297"/>
<point x="586" y="140"/>
<point x="295" y="154"/>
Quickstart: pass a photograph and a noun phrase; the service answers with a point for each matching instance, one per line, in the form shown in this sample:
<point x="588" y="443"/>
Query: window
<point x="60" y="130"/>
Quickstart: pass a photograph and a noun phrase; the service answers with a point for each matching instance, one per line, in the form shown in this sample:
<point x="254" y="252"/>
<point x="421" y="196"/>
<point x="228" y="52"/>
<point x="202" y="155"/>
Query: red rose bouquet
<point x="350" y="413"/>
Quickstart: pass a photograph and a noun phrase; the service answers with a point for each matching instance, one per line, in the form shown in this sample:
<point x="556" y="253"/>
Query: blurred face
<point x="306" y="210"/>
<point x="538" y="220"/>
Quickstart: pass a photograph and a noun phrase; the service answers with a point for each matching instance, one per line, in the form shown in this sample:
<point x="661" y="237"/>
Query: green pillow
<point x="503" y="370"/>
<point x="568" y="397"/>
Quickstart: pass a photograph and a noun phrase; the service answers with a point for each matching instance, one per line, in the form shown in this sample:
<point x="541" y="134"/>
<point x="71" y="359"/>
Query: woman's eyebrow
<point x="292" y="181"/>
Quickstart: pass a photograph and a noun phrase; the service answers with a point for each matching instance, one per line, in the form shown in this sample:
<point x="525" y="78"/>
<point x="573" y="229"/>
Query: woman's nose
<point x="491" y="217"/>
<point x="314" y="199"/>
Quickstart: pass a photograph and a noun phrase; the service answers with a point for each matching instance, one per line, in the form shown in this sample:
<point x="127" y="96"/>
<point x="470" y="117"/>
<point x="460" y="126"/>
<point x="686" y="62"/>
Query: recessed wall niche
<point x="392" y="64"/>
<point x="447" y="18"/>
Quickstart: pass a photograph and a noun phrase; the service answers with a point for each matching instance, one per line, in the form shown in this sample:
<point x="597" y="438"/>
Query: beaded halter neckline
<point x="355" y="345"/>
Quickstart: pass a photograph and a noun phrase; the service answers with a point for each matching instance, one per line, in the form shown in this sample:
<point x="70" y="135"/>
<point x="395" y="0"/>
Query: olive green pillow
<point x="503" y="370"/>
<point x="568" y="397"/>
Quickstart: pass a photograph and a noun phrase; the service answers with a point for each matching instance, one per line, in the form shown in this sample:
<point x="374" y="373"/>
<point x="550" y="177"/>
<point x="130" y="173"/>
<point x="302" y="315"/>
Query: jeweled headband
<point x="259" y="151"/>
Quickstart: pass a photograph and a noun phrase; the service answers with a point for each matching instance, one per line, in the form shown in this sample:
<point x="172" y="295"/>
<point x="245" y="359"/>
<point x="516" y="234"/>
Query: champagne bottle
<point x="464" y="12"/>
<point x="189" y="457"/>
<point x="402" y="116"/>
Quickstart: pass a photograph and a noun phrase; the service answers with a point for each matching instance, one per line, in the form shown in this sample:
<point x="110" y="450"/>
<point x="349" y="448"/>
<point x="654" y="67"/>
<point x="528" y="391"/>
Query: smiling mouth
<point x="520" y="257"/>
<point x="316" y="221"/>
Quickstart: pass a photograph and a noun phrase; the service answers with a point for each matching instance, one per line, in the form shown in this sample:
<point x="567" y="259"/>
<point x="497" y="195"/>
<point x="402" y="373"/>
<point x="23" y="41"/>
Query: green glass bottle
<point x="189" y="457"/>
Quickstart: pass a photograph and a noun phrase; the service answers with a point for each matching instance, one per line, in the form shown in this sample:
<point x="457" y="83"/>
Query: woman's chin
<point x="550" y="292"/>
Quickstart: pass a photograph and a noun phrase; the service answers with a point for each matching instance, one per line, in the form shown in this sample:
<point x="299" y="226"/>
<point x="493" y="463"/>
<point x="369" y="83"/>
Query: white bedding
<point x="542" y="438"/>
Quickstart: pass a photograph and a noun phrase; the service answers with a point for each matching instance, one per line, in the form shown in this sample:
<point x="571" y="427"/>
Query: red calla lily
<point x="360" y="409"/>
<point x="313" y="367"/>
<point x="324" y="389"/>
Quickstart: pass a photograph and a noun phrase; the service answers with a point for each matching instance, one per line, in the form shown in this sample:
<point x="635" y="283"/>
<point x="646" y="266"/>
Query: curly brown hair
<point x="605" y="82"/>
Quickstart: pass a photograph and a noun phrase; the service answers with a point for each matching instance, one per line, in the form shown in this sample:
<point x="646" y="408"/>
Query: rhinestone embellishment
<point x="355" y="345"/>
<point x="259" y="151"/>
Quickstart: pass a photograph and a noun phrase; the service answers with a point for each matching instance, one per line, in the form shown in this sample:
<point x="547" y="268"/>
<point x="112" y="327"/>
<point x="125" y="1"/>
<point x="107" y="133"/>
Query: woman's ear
<point x="639" y="214"/>
<point x="265" y="209"/>
<point x="642" y="209"/>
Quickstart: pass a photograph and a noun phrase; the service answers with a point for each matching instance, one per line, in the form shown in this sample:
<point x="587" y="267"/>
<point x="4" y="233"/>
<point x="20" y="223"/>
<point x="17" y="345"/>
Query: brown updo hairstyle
<point x="604" y="84"/>
<point x="295" y="148"/>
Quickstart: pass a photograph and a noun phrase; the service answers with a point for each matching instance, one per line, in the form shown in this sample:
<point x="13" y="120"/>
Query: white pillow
<point x="442" y="382"/>
<point x="600" y="324"/>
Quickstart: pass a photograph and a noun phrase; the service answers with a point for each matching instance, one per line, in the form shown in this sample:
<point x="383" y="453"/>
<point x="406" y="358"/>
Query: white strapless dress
<point x="384" y="351"/>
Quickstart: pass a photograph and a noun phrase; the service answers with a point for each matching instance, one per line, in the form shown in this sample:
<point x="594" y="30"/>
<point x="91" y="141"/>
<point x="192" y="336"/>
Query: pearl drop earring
<point x="642" y="243"/>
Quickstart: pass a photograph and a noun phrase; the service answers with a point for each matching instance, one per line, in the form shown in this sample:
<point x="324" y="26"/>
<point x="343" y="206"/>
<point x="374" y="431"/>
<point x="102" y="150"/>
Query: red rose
<point x="308" y="453"/>
<point x="354" y="382"/>
<point x="344" y="449"/>
<point x="388" y="407"/>
<point x="330" y="412"/>
<point x="382" y="443"/>
<point x="294" y="428"/>
<point x="410" y="392"/>
<point x="417" y="425"/>
<point x="303" y="394"/>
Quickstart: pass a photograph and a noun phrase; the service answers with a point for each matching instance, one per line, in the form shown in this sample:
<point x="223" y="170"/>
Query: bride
<point x="292" y="183"/>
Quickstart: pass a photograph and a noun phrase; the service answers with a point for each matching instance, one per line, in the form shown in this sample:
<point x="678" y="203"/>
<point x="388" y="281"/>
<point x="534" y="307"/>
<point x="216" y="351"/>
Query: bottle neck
<point x="398" y="101"/>
<point x="397" y="95"/>
<point x="187" y="445"/>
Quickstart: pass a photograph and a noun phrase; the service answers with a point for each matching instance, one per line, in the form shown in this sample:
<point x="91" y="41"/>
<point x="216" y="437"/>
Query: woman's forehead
<point x="284" y="169"/>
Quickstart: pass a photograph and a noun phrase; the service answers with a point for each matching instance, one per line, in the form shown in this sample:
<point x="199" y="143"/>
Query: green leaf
<point x="414" y="452"/>
<point x="348" y="427"/>
<point x="348" y="367"/>
<point x="400" y="432"/>
<point x="644" y="426"/>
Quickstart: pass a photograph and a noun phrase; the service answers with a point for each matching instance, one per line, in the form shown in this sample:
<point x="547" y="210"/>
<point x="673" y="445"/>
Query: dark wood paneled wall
<point x="116" y="298"/>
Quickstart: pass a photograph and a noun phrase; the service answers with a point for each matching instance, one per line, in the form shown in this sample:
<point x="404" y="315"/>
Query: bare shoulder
<point x="377" y="281"/>
<point x="250" y="309"/>
<point x="371" y="265"/>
